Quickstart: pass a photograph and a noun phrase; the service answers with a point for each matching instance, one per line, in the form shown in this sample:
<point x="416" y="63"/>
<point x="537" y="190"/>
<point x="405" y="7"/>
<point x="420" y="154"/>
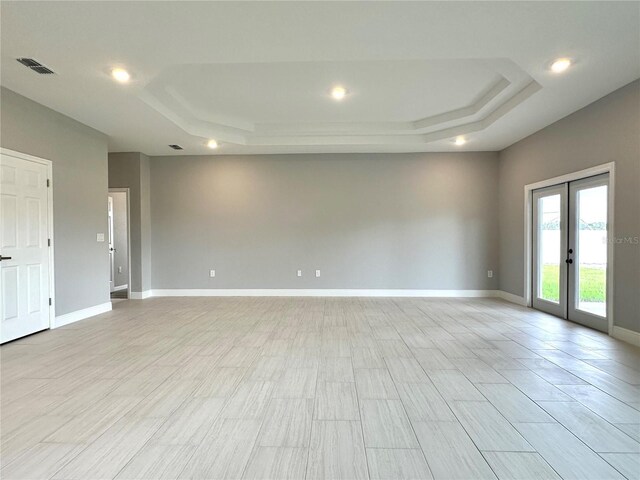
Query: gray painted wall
<point x="79" y="157"/>
<point x="605" y="131"/>
<point x="416" y="221"/>
<point x="392" y="221"/>
<point x="121" y="256"/>
<point x="131" y="170"/>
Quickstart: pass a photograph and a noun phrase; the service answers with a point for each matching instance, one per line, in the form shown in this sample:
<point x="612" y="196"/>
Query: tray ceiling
<point x="256" y="76"/>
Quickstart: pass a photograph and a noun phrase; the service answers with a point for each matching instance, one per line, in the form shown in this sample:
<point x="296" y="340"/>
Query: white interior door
<point x="24" y="267"/>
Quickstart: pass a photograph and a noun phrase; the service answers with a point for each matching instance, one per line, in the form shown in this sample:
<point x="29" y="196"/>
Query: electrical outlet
<point x="299" y="273"/>
<point x="119" y="269"/>
<point x="212" y="273"/>
<point x="100" y="237"/>
<point x="490" y="273"/>
<point x="317" y="273"/>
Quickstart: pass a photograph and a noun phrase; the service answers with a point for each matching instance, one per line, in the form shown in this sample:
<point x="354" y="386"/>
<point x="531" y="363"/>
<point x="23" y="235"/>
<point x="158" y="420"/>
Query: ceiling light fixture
<point x="120" y="75"/>
<point x="560" y="65"/>
<point x="460" y="140"/>
<point x="212" y="144"/>
<point x="338" y="92"/>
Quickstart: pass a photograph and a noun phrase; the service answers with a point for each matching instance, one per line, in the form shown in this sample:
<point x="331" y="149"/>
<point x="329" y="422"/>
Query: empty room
<point x="319" y="240"/>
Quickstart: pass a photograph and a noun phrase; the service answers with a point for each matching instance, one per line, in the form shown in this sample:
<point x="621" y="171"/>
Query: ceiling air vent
<point x="176" y="147"/>
<point x="35" y="66"/>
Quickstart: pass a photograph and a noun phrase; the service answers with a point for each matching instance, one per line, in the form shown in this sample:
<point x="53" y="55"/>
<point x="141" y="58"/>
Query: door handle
<point x="4" y="258"/>
<point x="569" y="260"/>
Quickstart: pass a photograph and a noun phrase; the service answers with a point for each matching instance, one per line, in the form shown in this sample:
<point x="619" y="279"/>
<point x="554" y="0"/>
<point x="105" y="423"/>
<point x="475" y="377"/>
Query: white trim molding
<point x="78" y="315"/>
<point x="510" y="297"/>
<point x="120" y="287"/>
<point x="626" y="335"/>
<point x="143" y="295"/>
<point x="322" y="292"/>
<point x="127" y="192"/>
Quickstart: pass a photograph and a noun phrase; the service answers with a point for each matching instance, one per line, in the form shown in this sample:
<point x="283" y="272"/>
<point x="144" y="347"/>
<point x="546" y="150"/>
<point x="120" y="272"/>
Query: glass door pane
<point x="591" y="251"/>
<point x="549" y="247"/>
<point x="549" y="257"/>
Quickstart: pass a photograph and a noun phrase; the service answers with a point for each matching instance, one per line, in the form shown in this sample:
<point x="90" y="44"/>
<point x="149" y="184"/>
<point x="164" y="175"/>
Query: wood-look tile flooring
<point x="310" y="388"/>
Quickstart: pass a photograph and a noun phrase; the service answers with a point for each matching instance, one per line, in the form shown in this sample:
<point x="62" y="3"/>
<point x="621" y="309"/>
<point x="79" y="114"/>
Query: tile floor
<point x="319" y="388"/>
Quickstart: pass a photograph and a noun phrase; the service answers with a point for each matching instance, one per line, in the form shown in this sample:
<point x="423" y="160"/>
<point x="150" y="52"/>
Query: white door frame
<point x="128" y="193"/>
<point x="49" y="165"/>
<point x="528" y="234"/>
<point x="111" y="241"/>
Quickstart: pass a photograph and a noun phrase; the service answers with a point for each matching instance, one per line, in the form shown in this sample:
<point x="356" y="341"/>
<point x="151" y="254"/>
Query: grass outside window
<point x="593" y="283"/>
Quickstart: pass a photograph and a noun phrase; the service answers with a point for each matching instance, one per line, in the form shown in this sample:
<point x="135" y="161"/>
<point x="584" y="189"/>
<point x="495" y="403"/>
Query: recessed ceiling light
<point x="338" y="92"/>
<point x="120" y="75"/>
<point x="460" y="140"/>
<point x="560" y="65"/>
<point x="212" y="144"/>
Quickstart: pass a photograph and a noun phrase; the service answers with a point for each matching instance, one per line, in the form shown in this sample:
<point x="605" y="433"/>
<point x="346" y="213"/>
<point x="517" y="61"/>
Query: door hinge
<point x="48" y="182"/>
<point x="48" y="242"/>
<point x="50" y="302"/>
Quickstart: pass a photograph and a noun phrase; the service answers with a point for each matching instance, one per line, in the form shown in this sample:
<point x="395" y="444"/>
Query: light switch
<point x="212" y="273"/>
<point x="100" y="237"/>
<point x="490" y="273"/>
<point x="317" y="273"/>
<point x="299" y="273"/>
<point x="119" y="269"/>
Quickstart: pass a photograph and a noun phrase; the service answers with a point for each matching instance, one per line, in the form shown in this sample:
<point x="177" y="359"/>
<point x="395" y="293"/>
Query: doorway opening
<point x="571" y="252"/>
<point x="119" y="244"/>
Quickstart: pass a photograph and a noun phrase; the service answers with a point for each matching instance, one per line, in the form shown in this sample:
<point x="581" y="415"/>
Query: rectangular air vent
<point x="176" y="147"/>
<point x="43" y="70"/>
<point x="35" y="66"/>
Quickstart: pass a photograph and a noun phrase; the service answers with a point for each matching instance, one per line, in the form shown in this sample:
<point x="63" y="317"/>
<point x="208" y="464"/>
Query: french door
<point x="570" y="238"/>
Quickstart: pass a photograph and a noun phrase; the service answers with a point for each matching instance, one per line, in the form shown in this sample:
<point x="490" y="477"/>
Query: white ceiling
<point x="256" y="76"/>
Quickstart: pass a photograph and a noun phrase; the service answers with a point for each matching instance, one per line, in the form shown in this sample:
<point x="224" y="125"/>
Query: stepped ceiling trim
<point x="508" y="88"/>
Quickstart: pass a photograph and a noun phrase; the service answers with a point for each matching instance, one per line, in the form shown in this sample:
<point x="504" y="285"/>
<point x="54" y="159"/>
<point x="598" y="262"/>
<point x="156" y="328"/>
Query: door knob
<point x="4" y="258"/>
<point x="571" y="250"/>
<point x="569" y="260"/>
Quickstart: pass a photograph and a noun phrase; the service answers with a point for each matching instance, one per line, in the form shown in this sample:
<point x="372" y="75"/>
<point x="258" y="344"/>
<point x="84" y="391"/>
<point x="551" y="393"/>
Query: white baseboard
<point x="120" y="287"/>
<point x="322" y="292"/>
<point x="78" y="315"/>
<point x="510" y="297"/>
<point x="626" y="335"/>
<point x="141" y="295"/>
